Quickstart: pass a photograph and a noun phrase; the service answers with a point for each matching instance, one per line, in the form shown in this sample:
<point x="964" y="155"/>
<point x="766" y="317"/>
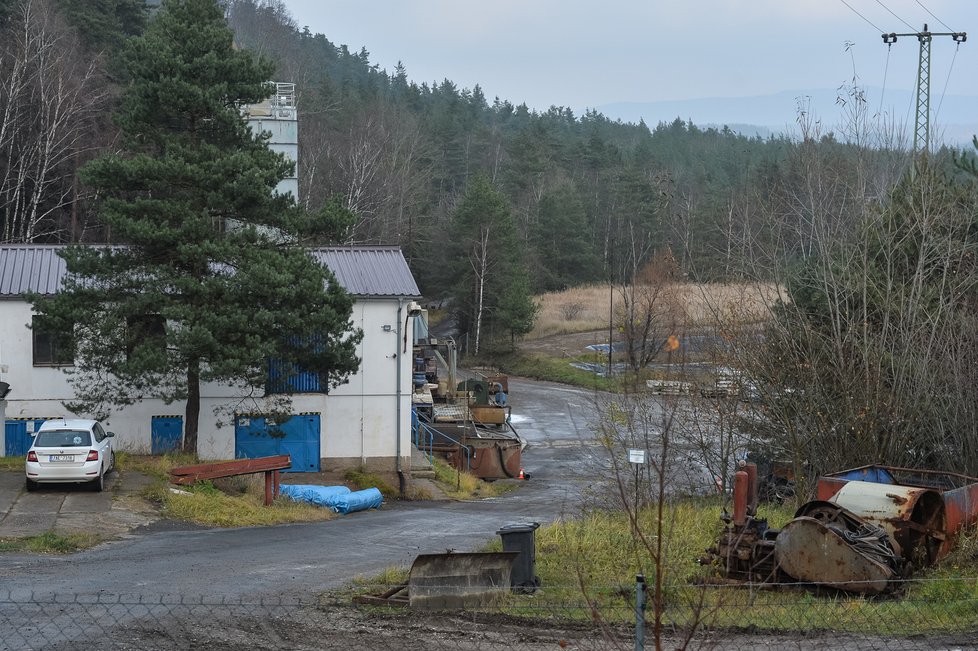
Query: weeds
<point x="205" y="504"/>
<point x="465" y="485"/>
<point x="12" y="463"/>
<point x="50" y="543"/>
<point x="362" y="479"/>
<point x="158" y="466"/>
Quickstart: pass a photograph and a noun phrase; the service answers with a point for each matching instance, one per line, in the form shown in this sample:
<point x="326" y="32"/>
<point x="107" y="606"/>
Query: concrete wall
<point x="359" y="419"/>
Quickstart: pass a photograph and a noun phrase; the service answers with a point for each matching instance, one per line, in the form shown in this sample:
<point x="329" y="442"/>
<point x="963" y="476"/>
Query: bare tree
<point x="650" y="309"/>
<point x="50" y="93"/>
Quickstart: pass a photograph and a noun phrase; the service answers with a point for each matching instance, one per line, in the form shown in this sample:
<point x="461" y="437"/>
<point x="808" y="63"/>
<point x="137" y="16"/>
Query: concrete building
<point x="364" y="422"/>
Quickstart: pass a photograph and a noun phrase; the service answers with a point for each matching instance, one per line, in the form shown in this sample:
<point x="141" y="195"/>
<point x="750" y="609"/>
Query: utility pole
<point x="921" y="127"/>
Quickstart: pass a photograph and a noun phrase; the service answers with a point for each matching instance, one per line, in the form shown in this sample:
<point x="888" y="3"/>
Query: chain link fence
<point x="938" y="616"/>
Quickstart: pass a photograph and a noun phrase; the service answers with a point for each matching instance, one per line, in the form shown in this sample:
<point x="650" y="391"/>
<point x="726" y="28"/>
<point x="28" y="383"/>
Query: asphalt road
<point x="308" y="558"/>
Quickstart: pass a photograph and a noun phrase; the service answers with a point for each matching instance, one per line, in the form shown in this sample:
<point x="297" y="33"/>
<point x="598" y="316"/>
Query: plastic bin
<point x="522" y="538"/>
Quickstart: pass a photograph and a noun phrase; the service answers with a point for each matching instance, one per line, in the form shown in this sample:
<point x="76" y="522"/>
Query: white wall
<point x="359" y="419"/>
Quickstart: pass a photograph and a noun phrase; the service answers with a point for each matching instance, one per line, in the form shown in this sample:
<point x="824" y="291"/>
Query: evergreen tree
<point x="487" y="259"/>
<point x="105" y="24"/>
<point x="210" y="283"/>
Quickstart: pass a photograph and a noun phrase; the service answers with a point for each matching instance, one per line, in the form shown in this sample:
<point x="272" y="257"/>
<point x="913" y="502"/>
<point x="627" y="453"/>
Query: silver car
<point x="70" y="451"/>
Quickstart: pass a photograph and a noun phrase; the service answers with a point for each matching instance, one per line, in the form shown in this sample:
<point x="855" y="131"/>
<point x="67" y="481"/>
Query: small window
<point x="99" y="432"/>
<point x="51" y="348"/>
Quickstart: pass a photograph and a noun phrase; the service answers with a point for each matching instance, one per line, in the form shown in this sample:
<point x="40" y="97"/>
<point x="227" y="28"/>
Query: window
<point x="63" y="439"/>
<point x="51" y="348"/>
<point x="288" y="377"/>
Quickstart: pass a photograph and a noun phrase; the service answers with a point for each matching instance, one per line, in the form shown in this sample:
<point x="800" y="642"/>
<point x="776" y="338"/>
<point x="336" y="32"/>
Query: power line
<point x="880" y="3"/>
<point x="886" y="70"/>
<point x="933" y="16"/>
<point x="853" y="9"/>
<point x="941" y="103"/>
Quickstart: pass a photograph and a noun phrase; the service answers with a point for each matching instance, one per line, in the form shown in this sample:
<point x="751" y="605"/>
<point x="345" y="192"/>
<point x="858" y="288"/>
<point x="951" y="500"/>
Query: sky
<point x="588" y="53"/>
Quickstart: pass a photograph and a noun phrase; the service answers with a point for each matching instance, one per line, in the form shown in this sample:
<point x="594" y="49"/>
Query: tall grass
<point x="587" y="308"/>
<point x="207" y="505"/>
<point x="464" y="485"/>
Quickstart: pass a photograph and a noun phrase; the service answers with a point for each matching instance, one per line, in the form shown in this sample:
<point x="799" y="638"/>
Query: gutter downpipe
<point x="401" y="482"/>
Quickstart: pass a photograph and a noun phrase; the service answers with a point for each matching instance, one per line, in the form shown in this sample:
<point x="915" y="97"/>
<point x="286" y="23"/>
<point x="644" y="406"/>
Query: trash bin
<point x="522" y="538"/>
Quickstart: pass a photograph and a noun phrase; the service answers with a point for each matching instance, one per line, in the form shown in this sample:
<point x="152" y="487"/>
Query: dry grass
<point x="205" y="504"/>
<point x="584" y="309"/>
<point x="464" y="485"/>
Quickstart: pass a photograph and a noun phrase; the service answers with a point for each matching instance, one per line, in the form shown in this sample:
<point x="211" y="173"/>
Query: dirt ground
<point x="570" y="345"/>
<point x="341" y="627"/>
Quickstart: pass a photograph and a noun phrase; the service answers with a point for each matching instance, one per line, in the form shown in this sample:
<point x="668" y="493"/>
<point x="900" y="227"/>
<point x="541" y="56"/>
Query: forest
<point x="872" y="249"/>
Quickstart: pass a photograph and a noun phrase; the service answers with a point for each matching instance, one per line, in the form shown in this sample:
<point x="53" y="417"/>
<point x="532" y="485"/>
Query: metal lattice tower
<point x="921" y="129"/>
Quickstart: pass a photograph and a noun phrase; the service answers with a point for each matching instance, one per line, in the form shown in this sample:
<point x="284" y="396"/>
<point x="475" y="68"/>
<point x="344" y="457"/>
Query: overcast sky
<point x="586" y="53"/>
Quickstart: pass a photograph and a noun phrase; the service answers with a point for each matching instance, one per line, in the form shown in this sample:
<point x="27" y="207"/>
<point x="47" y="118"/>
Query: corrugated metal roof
<point x="363" y="271"/>
<point x="370" y="270"/>
<point x="30" y="268"/>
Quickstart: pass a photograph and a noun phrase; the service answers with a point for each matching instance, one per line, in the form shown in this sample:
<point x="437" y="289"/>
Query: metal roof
<point x="365" y="271"/>
<point x="29" y="268"/>
<point x="370" y="270"/>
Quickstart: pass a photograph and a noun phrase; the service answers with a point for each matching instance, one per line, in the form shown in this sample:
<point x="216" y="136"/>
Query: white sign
<point x="636" y="455"/>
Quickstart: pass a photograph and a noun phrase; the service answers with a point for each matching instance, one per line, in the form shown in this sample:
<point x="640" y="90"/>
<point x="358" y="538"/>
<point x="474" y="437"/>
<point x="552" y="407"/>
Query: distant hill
<point x="955" y="123"/>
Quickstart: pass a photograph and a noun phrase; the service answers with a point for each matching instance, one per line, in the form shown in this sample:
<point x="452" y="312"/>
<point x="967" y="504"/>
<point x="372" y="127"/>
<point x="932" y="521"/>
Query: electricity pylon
<point x="921" y="127"/>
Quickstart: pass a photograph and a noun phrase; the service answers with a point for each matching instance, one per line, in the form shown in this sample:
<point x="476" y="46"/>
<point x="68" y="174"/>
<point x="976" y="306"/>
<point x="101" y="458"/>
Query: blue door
<point x="166" y="433"/>
<point x="19" y="434"/>
<point x="298" y="437"/>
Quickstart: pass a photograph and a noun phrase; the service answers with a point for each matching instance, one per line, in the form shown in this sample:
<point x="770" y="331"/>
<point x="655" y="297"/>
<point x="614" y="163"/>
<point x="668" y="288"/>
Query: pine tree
<point x="209" y="283"/>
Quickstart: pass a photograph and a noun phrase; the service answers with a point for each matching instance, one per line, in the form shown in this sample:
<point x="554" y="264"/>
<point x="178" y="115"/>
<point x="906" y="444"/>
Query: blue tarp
<point x="338" y="498"/>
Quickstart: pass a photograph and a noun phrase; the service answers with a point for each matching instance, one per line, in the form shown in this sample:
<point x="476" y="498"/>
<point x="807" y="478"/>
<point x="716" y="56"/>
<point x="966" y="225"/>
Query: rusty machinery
<point x="869" y="528"/>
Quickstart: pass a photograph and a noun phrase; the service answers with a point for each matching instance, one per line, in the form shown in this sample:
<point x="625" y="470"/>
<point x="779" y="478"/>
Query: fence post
<point x="640" y="612"/>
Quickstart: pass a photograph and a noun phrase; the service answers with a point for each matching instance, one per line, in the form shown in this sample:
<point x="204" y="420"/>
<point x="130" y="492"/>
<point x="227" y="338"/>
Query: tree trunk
<point x="193" y="407"/>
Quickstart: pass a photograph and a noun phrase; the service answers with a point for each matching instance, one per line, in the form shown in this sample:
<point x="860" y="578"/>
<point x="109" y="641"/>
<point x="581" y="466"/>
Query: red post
<point x="741" y="481"/>
<point x="268" y="488"/>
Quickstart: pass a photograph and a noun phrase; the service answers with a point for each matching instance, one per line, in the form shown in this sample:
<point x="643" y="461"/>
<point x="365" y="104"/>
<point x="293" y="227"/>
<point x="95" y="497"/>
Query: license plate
<point x="61" y="457"/>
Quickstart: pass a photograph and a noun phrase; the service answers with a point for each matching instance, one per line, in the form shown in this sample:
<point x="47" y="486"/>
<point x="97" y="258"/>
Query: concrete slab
<point x="78" y="502"/>
<point x="43" y="501"/>
<point x="19" y="525"/>
<point x="11" y="485"/>
<point x="74" y="508"/>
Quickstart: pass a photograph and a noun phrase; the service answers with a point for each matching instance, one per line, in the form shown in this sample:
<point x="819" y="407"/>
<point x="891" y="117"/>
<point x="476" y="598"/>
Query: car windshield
<point x="63" y="439"/>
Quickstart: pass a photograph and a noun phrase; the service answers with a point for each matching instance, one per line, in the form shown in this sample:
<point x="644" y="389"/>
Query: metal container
<point x="913" y="517"/>
<point x="521" y="538"/>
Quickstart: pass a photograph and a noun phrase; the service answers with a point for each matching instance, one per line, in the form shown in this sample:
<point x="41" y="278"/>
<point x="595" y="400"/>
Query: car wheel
<point x="30" y="485"/>
<point x="98" y="484"/>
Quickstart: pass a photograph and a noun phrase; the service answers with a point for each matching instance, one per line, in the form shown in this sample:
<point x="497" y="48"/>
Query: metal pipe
<point x="751" y="469"/>
<point x="399" y="361"/>
<point x="741" y="480"/>
<point x="639" y="612"/>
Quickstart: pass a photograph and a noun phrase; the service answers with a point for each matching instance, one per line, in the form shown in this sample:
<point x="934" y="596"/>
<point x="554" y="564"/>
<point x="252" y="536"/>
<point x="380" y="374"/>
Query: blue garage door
<point x="298" y="437"/>
<point x="19" y="434"/>
<point x="167" y="433"/>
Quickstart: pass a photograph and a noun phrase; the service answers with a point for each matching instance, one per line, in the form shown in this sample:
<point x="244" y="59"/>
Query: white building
<point x="364" y="422"/>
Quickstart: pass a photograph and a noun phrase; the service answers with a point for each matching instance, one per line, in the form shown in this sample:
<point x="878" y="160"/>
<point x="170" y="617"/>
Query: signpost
<point x="636" y="457"/>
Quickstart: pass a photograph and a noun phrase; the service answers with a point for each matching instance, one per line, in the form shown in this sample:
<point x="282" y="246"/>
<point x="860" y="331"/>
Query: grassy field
<point x="585" y="309"/>
<point x="587" y="568"/>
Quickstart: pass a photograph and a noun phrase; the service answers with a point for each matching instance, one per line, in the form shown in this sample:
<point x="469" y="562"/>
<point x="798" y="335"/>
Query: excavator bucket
<point x="451" y="581"/>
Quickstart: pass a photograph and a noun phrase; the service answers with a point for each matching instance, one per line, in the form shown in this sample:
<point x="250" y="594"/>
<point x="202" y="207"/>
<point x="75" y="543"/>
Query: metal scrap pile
<point x="868" y="528"/>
